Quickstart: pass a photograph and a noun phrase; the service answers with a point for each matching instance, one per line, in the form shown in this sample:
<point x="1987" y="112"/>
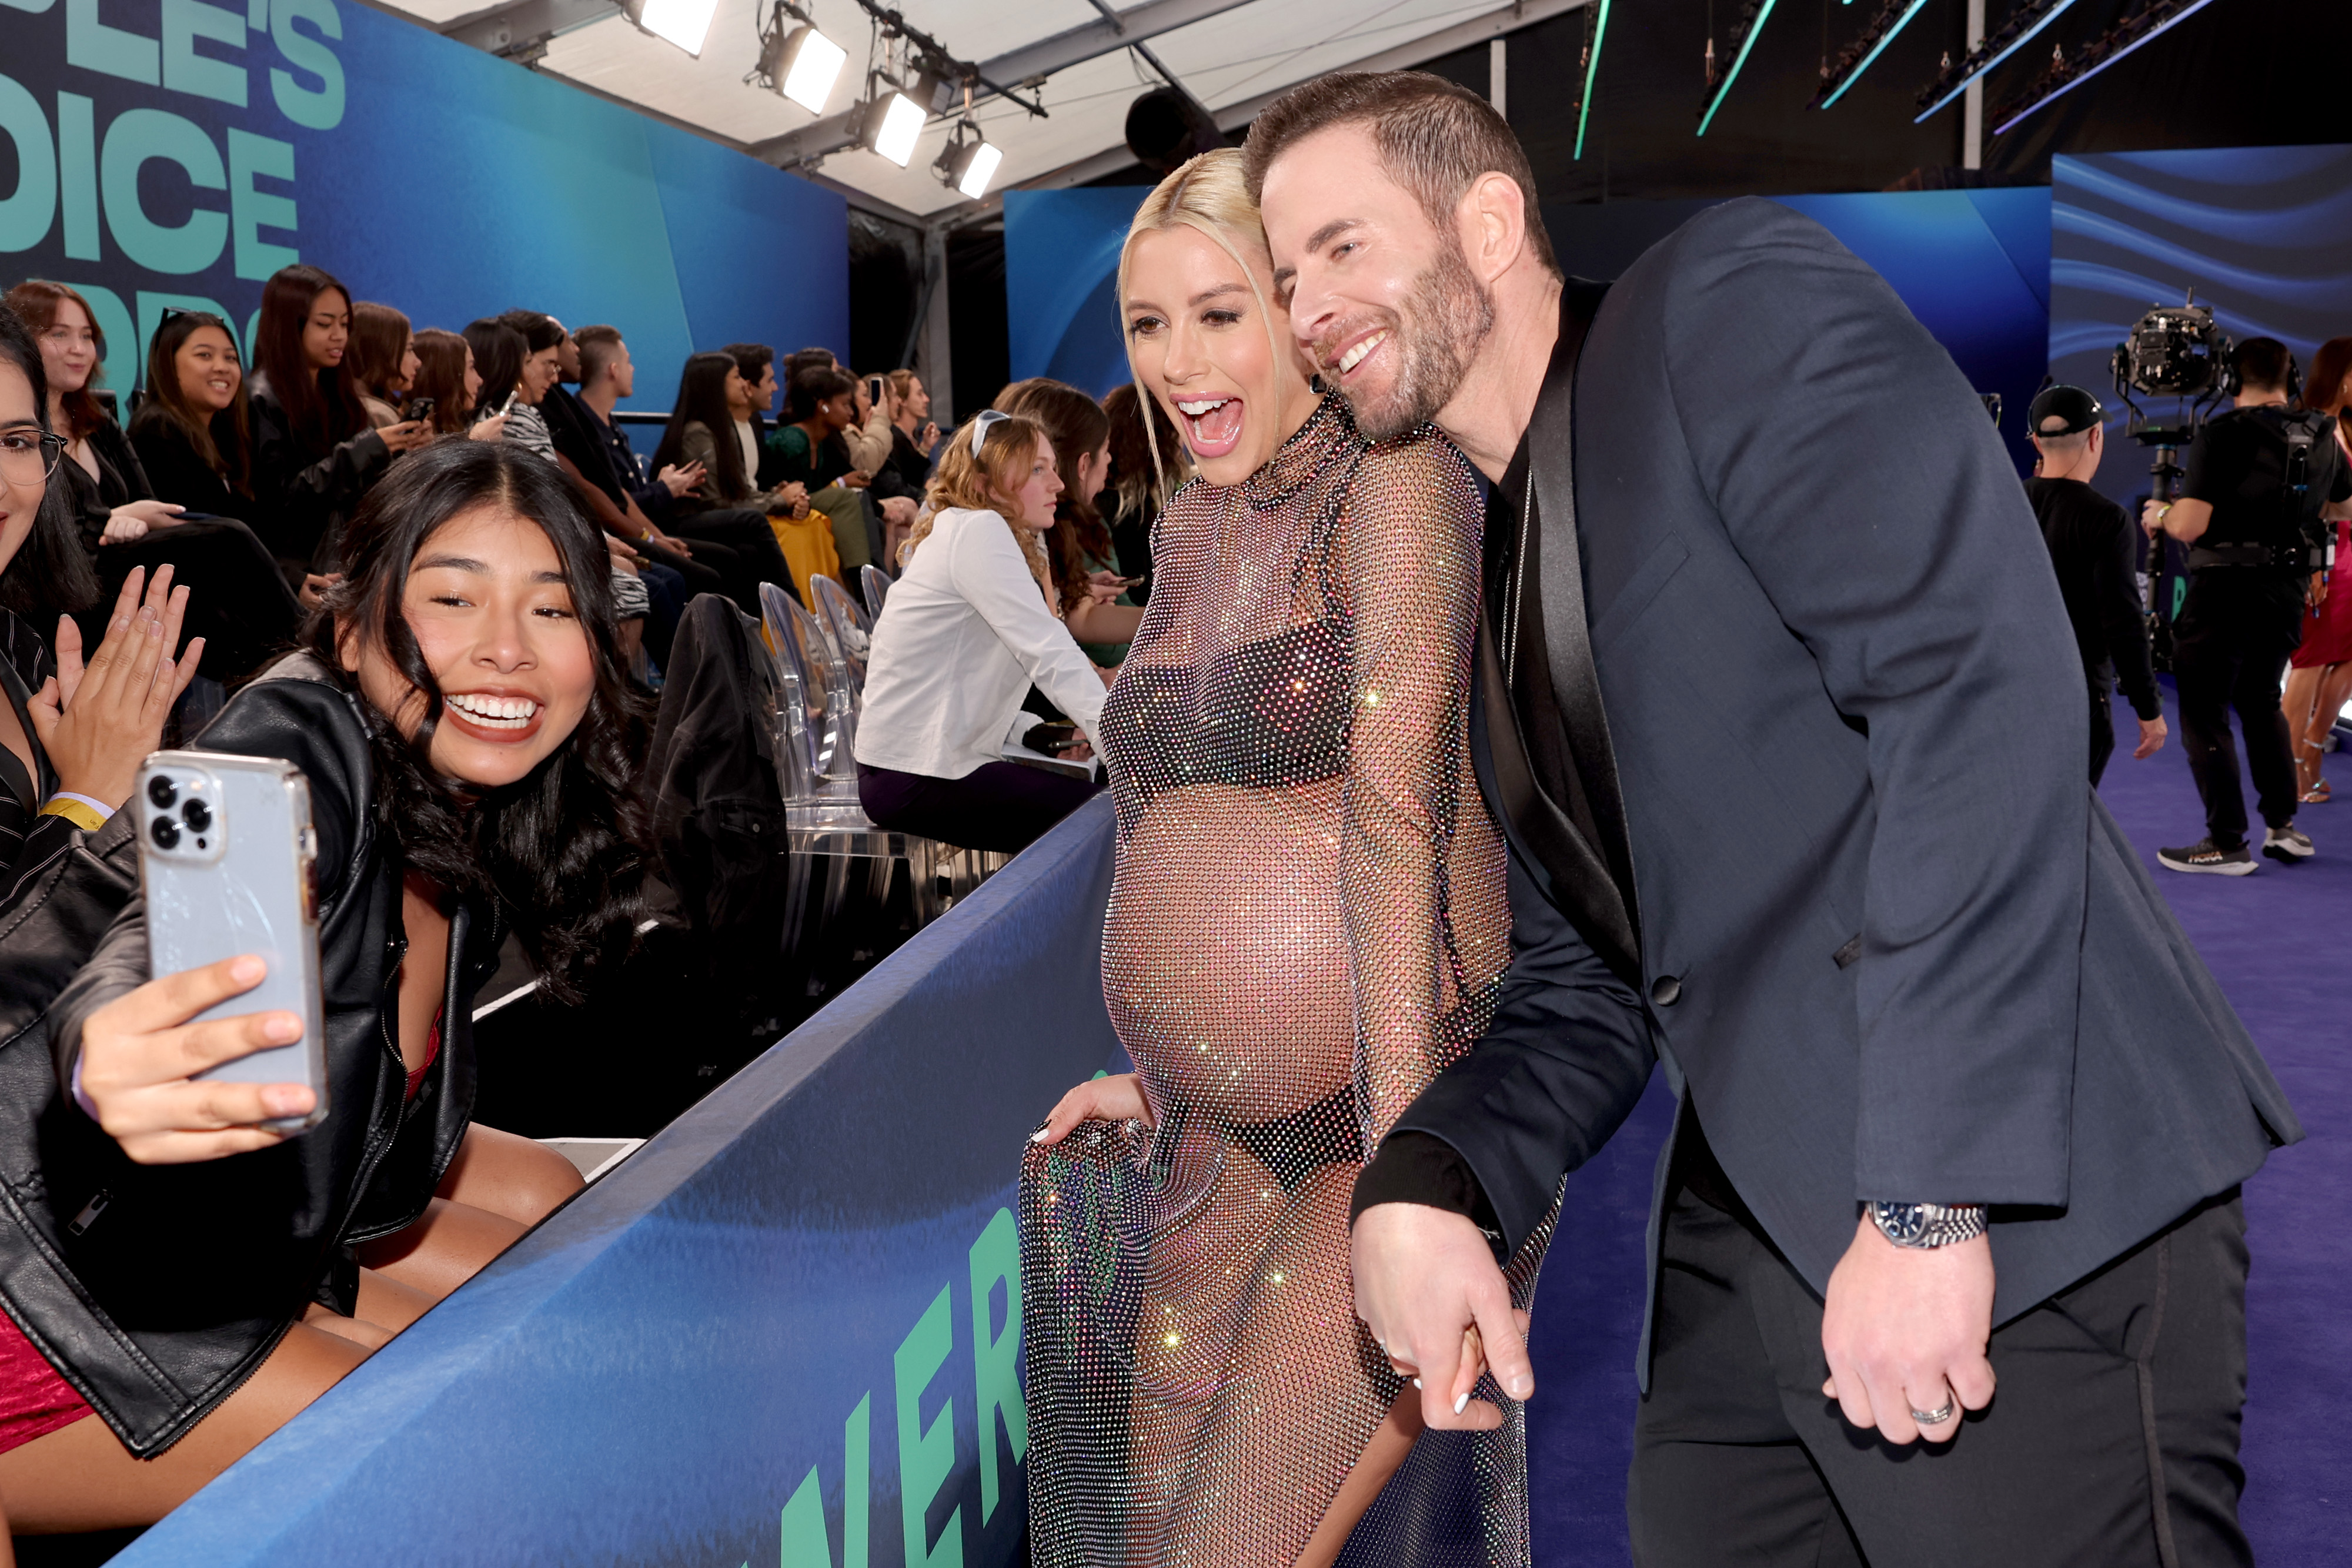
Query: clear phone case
<point x="225" y="850"/>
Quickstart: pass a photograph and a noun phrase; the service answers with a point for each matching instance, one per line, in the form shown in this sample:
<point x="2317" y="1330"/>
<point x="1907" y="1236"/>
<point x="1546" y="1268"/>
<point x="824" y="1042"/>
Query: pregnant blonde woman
<point x="1307" y="921"/>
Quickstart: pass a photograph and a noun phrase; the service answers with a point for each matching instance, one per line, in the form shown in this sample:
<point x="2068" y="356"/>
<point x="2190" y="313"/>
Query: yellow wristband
<point x="74" y="811"/>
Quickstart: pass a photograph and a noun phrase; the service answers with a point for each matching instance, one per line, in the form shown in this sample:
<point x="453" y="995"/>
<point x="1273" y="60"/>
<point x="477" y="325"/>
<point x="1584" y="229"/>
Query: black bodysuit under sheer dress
<point x="1307" y="921"/>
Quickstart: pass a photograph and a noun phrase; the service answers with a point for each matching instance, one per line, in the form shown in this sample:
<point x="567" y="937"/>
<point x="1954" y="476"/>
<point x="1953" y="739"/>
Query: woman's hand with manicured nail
<point x="139" y="1055"/>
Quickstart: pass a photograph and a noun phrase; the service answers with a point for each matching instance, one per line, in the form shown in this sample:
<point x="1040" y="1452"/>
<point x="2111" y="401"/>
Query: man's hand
<point x="1904" y="1329"/>
<point x="2151" y="739"/>
<point x="1427" y="1288"/>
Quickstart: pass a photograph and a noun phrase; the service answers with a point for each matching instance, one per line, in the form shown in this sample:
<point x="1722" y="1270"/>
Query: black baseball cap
<point x="2075" y="409"/>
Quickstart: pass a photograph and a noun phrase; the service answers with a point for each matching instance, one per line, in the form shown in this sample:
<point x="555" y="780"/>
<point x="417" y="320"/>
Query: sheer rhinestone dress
<point x="1307" y="920"/>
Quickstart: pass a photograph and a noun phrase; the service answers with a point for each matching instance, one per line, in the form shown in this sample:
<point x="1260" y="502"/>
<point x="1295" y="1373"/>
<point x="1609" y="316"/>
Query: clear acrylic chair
<point x="846" y="626"/>
<point x="875" y="584"/>
<point x="827" y="826"/>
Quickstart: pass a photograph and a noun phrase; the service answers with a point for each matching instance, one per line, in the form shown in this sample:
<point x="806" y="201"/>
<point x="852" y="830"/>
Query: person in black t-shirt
<point x="2250" y="569"/>
<point x="2090" y="542"/>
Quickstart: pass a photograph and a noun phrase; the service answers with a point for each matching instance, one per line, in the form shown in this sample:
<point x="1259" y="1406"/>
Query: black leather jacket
<point x="304" y="499"/>
<point x="176" y="1290"/>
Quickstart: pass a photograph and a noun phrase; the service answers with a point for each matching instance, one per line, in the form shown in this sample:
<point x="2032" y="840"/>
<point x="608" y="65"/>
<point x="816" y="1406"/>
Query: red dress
<point x="2327" y="630"/>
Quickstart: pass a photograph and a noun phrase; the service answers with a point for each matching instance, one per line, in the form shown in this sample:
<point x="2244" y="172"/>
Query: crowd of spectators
<point x="430" y="569"/>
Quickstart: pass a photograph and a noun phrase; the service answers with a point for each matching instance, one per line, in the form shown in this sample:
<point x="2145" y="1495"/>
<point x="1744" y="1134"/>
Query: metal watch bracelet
<point x="1928" y="1224"/>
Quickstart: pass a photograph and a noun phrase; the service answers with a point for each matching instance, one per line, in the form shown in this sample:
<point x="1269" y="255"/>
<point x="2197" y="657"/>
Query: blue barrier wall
<point x="2264" y="235"/>
<point x="1973" y="266"/>
<point x="174" y="153"/>
<point x="786" y="1331"/>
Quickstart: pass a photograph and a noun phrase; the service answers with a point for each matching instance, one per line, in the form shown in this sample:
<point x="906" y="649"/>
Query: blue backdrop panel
<point x="1061" y="283"/>
<point x="155" y="152"/>
<point x="1973" y="266"/>
<point x="786" y="1330"/>
<point x="2264" y="235"/>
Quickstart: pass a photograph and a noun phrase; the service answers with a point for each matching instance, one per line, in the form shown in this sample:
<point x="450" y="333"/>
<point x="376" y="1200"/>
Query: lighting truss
<point x="2023" y="24"/>
<point x="1596" y="27"/>
<point x="1862" y="53"/>
<point x="2064" y="74"/>
<point x="1752" y="22"/>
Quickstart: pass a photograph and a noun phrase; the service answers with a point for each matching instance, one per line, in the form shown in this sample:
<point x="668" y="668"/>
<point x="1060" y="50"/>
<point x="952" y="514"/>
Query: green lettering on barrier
<point x="25" y="215"/>
<point x="996" y="1379"/>
<point x="314" y="110"/>
<point x="185" y="71"/>
<point x="804" y="1545"/>
<point x="35" y="7"/>
<point x="926" y="1455"/>
<point x="78" y="174"/>
<point x="857" y="1484"/>
<point x="251" y="210"/>
<point x="137" y="135"/>
<point x="93" y="45"/>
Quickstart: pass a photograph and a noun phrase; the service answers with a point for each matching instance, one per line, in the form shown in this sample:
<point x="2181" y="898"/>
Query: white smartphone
<point x="226" y="852"/>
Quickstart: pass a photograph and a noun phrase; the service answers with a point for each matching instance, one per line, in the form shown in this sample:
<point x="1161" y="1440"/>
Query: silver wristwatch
<point x="1929" y="1224"/>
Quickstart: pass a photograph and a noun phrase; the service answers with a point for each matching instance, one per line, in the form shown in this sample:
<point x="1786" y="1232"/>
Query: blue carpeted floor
<point x="2278" y="941"/>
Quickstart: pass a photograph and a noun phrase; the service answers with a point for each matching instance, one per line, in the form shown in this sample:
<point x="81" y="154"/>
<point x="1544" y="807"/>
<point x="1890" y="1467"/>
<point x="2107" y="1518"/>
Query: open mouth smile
<point x="496" y="717"/>
<point x="1212" y="424"/>
<point x="1358" y="351"/>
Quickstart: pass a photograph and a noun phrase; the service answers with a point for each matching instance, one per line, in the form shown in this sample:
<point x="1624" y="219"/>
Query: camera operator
<point x="2257" y="479"/>
<point x="2090" y="542"/>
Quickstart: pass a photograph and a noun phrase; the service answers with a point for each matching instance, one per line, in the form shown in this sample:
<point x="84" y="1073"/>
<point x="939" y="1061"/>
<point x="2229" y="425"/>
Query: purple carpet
<point x="2278" y="942"/>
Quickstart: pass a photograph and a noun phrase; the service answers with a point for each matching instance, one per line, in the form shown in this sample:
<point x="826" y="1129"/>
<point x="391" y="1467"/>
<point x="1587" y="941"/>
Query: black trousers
<point x="999" y="806"/>
<point x="237" y="599"/>
<point x="752" y="555"/>
<point x="2103" y="729"/>
<point x="2112" y="1441"/>
<point x="2236" y="630"/>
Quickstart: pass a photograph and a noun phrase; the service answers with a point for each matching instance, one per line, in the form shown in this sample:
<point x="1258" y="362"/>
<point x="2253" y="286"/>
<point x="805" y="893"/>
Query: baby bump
<point x="1225" y="952"/>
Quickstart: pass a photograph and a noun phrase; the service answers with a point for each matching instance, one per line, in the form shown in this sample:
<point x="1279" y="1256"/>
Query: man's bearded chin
<point x="1446" y="317"/>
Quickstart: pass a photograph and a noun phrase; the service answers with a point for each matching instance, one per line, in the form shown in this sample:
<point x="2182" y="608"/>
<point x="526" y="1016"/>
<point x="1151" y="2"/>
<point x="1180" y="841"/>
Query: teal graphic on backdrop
<point x="173" y="153"/>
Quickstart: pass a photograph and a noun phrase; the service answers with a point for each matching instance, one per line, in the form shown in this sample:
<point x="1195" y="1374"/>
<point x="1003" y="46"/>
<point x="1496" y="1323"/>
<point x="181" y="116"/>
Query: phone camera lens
<point x="163" y="791"/>
<point x="166" y="832"/>
<point x="197" y="815"/>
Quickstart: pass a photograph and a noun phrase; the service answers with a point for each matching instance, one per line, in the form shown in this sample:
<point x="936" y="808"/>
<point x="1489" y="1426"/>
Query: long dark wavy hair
<point x="50" y="575"/>
<point x="200" y="428"/>
<point x="323" y="407"/>
<point x="567" y="848"/>
<point x="498" y="354"/>
<point x="702" y="397"/>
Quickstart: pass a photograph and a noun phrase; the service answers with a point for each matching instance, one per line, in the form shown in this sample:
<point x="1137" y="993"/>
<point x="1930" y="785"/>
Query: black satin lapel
<point x="1568" y="640"/>
<point x="1582" y="885"/>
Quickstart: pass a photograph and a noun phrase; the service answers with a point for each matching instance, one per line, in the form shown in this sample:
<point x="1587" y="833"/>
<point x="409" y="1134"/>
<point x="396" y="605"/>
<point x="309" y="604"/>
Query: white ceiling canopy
<point x="1229" y="55"/>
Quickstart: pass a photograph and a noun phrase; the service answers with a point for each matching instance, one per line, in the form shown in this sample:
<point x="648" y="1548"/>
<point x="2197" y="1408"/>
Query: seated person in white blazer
<point x="969" y="625"/>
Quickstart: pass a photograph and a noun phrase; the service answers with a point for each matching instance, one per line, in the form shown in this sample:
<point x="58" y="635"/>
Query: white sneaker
<point x="2287" y="845"/>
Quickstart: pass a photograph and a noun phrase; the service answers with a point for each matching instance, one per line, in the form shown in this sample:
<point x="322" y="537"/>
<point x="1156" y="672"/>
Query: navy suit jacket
<point x="1890" y="944"/>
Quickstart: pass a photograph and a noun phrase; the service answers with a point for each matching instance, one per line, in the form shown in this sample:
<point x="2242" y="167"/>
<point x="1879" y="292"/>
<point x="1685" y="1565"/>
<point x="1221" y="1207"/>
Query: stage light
<point x="1757" y="11"/>
<point x="2064" y="75"/>
<point x="894" y="122"/>
<point x="2015" y="34"/>
<point x="978" y="169"/>
<point x="807" y="66"/>
<point x="969" y="161"/>
<point x="686" y="23"/>
<point x="1864" y="51"/>
<point x="1597" y="13"/>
